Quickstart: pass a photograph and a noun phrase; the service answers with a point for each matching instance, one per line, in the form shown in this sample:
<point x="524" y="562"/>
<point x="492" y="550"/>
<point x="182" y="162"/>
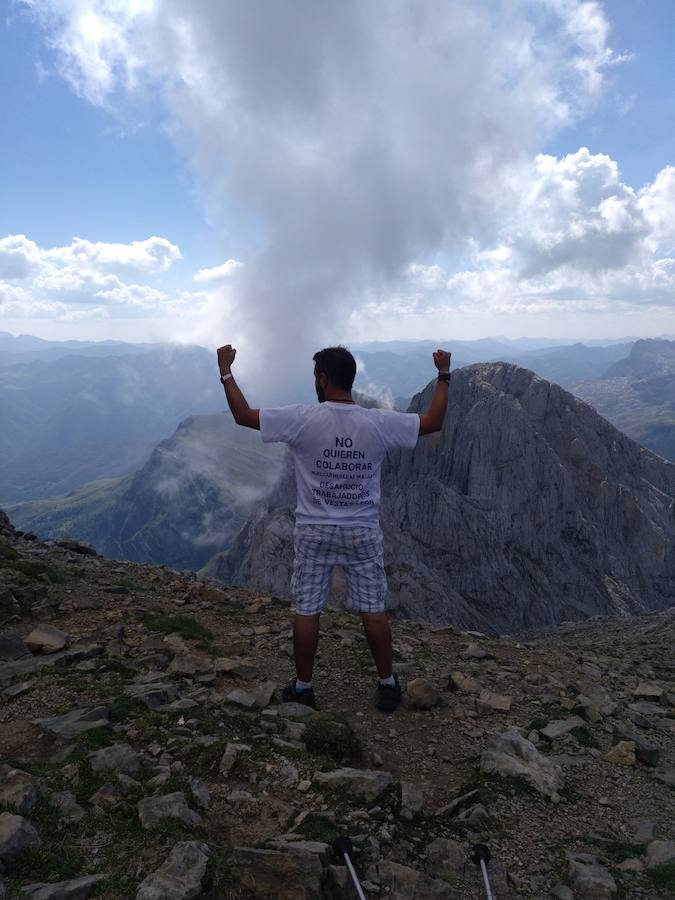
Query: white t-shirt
<point x="338" y="449"/>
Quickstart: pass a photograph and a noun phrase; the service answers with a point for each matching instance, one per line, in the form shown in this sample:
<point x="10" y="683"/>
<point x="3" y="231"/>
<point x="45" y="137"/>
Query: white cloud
<point x="19" y="256"/>
<point x="217" y="273"/>
<point x="84" y="278"/>
<point x="155" y="254"/>
<point x="360" y="138"/>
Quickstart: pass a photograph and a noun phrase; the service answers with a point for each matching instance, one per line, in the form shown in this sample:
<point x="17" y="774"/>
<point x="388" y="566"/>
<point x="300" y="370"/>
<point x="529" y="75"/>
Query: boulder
<point x="660" y="852"/>
<point x="75" y="889"/>
<point x="75" y="722"/>
<point x="12" y="646"/>
<point x="560" y="727"/>
<point x="405" y="883"/>
<point x="412" y="800"/>
<point x="16" y="835"/>
<point x="296" y="873"/>
<point x="590" y="880"/>
<point x="365" y="783"/>
<point x="422" y="694"/>
<point x="510" y="754"/>
<point x="118" y="758"/>
<point x="180" y="876"/>
<point x="47" y="639"/>
<point x="621" y="754"/>
<point x="17" y="789"/>
<point x="445" y="859"/>
<point x="153" y="810"/>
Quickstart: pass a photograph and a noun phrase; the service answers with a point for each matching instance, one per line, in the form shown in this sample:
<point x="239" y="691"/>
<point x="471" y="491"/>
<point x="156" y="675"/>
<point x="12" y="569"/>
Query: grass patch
<point x="185" y="626"/>
<point x="33" y="569"/>
<point x="122" y="887"/>
<point x="218" y="874"/>
<point x="59" y="857"/>
<point x="205" y="760"/>
<point x="123" y="707"/>
<point x="316" y="827"/>
<point x="663" y="876"/>
<point x="332" y="735"/>
<point x="7" y="552"/>
<point x="585" y="736"/>
<point x="95" y="739"/>
<point x="537" y="724"/>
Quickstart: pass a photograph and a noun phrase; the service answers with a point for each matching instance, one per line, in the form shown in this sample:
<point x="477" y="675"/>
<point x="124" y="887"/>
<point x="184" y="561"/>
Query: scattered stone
<point x="296" y="872"/>
<point x="117" y="758"/>
<point x="241" y="697"/>
<point x="106" y="797"/>
<point x="667" y="776"/>
<point x="659" y="853"/>
<point x="230" y="757"/>
<point x="180" y="876"/>
<point x="648" y="690"/>
<point x="12" y="646"/>
<point x="366" y="783"/>
<point x="17" y="790"/>
<point x="632" y="864"/>
<point x="16" y="835"/>
<point x="445" y="859"/>
<point x="76" y="722"/>
<point x="153" y="695"/>
<point x="511" y="754"/>
<point x="294" y="710"/>
<point x="405" y="883"/>
<point x="588" y="709"/>
<point x="621" y="754"/>
<point x="66" y="806"/>
<point x="645" y="752"/>
<point x="590" y="880"/>
<point x="561" y="892"/>
<point x="190" y="664"/>
<point x="199" y="792"/>
<point x="489" y="702"/>
<point x="421" y="694"/>
<point x="47" y="639"/>
<point x="153" y="810"/>
<point x="75" y="889"/>
<point x="412" y="800"/>
<point x="559" y="727"/>
<point x="242" y="668"/>
<point x="263" y="693"/>
<point x="465" y="684"/>
<point x="473" y="651"/>
<point x="643" y="830"/>
<point x="87" y="603"/>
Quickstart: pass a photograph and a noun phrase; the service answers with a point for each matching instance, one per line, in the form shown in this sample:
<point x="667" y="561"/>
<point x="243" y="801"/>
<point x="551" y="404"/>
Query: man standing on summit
<point x="338" y="448"/>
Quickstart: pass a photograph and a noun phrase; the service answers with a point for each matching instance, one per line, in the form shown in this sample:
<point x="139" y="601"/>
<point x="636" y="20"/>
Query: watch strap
<point x="444" y="376"/>
<point x="224" y="378"/>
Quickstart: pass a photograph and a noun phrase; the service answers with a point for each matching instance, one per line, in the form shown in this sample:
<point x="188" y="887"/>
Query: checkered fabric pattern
<point x="357" y="549"/>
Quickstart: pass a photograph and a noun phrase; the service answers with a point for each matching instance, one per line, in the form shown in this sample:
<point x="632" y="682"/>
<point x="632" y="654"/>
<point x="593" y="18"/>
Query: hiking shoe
<point x="306" y="697"/>
<point x="388" y="698"/>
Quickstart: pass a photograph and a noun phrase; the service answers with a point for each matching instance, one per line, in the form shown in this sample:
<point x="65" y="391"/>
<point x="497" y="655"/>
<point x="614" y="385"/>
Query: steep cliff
<point x="528" y="509"/>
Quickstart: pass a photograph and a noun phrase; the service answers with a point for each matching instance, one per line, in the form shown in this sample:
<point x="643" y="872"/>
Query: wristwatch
<point x="224" y="378"/>
<point x="444" y="376"/>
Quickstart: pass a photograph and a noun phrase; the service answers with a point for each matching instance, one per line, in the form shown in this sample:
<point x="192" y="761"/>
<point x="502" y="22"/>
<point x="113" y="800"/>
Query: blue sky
<point x="112" y="174"/>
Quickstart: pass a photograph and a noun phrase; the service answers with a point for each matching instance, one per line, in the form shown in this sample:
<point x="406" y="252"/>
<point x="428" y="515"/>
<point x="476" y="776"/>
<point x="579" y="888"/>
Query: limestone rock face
<point x="528" y="509"/>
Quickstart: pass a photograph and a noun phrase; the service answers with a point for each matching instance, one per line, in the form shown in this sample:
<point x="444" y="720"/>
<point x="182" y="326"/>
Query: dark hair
<point x="338" y="365"/>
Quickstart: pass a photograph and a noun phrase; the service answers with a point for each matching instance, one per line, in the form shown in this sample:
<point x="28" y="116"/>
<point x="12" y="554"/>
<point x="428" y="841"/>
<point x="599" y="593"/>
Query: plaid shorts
<point x="356" y="549"/>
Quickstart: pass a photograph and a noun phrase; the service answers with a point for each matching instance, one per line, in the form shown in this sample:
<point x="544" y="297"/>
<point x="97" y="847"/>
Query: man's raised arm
<point x="241" y="411"/>
<point x="433" y="420"/>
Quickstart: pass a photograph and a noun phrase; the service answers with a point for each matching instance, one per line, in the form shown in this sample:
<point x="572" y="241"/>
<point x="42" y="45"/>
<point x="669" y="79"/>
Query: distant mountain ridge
<point x="186" y="503"/>
<point x="637" y="394"/>
<point x="528" y="509"/>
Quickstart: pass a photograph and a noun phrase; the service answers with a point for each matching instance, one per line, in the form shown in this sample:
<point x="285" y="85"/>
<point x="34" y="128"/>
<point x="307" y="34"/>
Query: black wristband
<point x="444" y="376"/>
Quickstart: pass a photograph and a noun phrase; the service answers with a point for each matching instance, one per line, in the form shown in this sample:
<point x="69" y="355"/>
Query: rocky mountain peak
<point x="528" y="509"/>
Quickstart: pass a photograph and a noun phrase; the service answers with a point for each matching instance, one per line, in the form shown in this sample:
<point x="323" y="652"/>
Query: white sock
<point x="303" y="685"/>
<point x="389" y="682"/>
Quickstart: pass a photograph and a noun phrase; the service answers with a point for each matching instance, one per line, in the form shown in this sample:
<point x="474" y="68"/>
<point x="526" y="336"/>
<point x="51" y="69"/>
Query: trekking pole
<point x="480" y="855"/>
<point x="343" y="847"/>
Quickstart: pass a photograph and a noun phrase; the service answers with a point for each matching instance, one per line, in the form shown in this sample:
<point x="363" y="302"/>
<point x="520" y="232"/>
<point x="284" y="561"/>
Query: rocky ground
<point x="145" y="753"/>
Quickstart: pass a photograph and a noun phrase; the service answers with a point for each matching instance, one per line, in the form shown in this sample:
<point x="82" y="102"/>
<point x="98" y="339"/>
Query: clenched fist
<point x="226" y="357"/>
<point x="442" y="360"/>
